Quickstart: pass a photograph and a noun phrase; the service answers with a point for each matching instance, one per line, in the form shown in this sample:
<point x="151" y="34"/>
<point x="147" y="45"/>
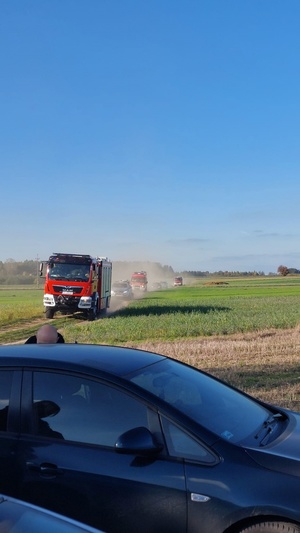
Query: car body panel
<point x="145" y="495"/>
<point x="56" y="455"/>
<point x="283" y="455"/>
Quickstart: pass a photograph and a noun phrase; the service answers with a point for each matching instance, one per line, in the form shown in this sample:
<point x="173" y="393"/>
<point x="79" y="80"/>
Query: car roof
<point x="115" y="360"/>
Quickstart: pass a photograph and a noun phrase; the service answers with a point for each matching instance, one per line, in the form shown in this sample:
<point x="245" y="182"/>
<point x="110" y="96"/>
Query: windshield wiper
<point x="269" y="425"/>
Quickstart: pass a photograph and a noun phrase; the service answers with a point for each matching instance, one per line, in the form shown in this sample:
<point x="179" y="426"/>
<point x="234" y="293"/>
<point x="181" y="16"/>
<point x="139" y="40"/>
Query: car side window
<point x="181" y="444"/>
<point x="82" y="410"/>
<point x="5" y="392"/>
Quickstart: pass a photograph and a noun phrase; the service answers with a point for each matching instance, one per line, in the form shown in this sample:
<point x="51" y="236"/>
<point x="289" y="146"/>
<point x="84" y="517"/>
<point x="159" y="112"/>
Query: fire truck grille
<point x="61" y="289"/>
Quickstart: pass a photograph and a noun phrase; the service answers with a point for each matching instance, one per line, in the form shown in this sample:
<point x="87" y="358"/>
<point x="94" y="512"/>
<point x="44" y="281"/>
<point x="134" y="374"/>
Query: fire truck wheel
<point x="49" y="313"/>
<point x="92" y="314"/>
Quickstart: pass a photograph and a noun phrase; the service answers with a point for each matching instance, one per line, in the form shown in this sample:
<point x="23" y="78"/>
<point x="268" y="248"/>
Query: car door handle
<point x="45" y="469"/>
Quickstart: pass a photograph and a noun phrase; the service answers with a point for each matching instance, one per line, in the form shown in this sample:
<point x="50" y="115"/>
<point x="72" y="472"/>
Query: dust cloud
<point x="156" y="273"/>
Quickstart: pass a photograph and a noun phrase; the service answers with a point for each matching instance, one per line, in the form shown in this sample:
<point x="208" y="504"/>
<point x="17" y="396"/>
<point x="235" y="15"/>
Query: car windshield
<point x="120" y="285"/>
<point x="212" y="404"/>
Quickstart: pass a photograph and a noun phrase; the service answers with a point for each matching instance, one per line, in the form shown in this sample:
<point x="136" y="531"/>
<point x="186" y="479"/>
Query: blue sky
<point x="156" y="130"/>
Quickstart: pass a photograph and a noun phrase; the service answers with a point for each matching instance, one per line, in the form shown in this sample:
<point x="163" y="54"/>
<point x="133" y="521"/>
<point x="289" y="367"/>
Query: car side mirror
<point x="139" y="441"/>
<point x="45" y="408"/>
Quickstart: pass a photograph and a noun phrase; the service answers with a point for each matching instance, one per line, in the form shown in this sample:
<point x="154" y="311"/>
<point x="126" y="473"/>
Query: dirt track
<point x="36" y="323"/>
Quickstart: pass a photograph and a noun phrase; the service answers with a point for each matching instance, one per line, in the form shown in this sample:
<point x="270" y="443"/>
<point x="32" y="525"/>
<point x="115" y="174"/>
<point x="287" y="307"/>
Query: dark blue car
<point x="132" y="441"/>
<point x="21" y="517"/>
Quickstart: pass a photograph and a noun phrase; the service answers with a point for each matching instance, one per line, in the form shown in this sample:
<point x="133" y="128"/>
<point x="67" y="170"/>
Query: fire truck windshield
<point x="70" y="272"/>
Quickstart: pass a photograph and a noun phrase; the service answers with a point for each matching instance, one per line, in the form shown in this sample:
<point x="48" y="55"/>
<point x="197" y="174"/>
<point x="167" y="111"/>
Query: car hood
<point x="282" y="455"/>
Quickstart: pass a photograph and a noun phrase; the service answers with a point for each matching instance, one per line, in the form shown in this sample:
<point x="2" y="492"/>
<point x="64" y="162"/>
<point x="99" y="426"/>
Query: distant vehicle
<point x="132" y="441"/>
<point x="139" y="281"/>
<point x="17" y="516"/>
<point x="122" y="289"/>
<point x="156" y="286"/>
<point x="76" y="282"/>
<point x="164" y="285"/>
<point x="178" y="281"/>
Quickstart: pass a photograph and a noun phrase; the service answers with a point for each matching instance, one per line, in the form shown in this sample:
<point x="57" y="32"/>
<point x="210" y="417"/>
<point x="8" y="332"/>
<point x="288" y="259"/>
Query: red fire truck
<point x="139" y="281"/>
<point x="178" y="281"/>
<point x="77" y="283"/>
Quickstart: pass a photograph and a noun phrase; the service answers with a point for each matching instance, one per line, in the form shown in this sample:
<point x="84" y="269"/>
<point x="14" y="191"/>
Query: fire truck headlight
<point x="85" y="302"/>
<point x="49" y="300"/>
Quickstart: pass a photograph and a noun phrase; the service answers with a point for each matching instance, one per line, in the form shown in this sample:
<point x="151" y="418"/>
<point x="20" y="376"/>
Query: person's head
<point x="47" y="335"/>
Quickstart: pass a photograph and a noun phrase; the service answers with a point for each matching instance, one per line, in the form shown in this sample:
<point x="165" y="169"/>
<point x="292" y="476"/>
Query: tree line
<point x="19" y="273"/>
<point x="27" y="272"/>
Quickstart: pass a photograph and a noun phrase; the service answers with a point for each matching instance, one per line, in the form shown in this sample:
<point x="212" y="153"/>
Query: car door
<point x="10" y="384"/>
<point x="70" y="464"/>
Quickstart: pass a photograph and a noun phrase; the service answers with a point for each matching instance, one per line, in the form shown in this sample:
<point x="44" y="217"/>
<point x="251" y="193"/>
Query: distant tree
<point x="294" y="271"/>
<point x="283" y="270"/>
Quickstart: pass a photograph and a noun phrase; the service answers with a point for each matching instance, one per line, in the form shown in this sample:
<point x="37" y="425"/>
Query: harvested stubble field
<point x="264" y="364"/>
<point x="245" y="332"/>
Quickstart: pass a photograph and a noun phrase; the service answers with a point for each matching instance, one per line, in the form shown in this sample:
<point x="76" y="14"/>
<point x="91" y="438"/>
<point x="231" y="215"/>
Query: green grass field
<point x="203" y="309"/>
<point x="17" y="304"/>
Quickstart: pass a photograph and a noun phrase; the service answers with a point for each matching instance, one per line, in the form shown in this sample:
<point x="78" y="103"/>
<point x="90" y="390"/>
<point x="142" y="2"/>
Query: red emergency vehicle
<point x="139" y="282"/>
<point x="77" y="283"/>
<point x="178" y="281"/>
